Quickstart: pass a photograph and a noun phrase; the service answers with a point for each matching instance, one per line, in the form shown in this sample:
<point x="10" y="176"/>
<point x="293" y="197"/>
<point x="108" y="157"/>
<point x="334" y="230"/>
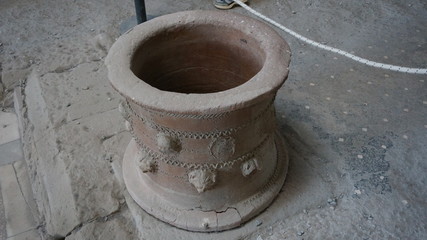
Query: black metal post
<point x="141" y="15"/>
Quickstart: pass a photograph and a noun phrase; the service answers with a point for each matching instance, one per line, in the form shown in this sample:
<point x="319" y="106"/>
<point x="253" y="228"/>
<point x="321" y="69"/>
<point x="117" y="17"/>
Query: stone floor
<point x="16" y="199"/>
<point x="356" y="135"/>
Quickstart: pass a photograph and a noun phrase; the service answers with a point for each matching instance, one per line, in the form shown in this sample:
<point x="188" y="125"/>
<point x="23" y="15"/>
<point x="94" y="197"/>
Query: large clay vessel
<point x="199" y="91"/>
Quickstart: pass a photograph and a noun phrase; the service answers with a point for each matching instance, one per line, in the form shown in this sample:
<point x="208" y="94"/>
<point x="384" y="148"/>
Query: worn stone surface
<point x="28" y="235"/>
<point x="69" y="175"/>
<point x="355" y="133"/>
<point x="8" y="127"/>
<point x="11" y="79"/>
<point x="11" y="152"/>
<point x="3" y="233"/>
<point x="17" y="209"/>
<point x="116" y="226"/>
<point x="24" y="183"/>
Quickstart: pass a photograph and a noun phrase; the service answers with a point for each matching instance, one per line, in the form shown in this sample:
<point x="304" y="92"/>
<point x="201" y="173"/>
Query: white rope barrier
<point x="332" y="49"/>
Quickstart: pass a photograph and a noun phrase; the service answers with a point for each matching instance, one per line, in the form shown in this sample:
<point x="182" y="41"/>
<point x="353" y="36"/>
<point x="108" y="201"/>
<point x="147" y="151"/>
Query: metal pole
<point x="141" y="16"/>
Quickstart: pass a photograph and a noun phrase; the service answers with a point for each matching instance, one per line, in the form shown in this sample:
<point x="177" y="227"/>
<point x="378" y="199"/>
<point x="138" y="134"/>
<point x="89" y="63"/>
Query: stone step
<point x="17" y="202"/>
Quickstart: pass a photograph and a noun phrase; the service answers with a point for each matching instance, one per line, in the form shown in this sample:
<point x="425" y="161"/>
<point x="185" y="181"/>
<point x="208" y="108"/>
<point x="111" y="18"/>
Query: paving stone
<point x="3" y="233"/>
<point x="18" y="214"/>
<point x="12" y="78"/>
<point x="118" y="226"/>
<point x="29" y="235"/>
<point x="70" y="159"/>
<point x="8" y="127"/>
<point x="25" y="184"/>
<point x="11" y="152"/>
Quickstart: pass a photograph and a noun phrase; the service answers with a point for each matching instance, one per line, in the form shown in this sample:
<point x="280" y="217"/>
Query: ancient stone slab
<point x="10" y="152"/>
<point x="3" y="233"/>
<point x="28" y="235"/>
<point x="26" y="190"/>
<point x="117" y="226"/>
<point x="8" y="127"/>
<point x="69" y="157"/>
<point x="52" y="184"/>
<point x="17" y="211"/>
<point x="12" y="78"/>
<point x="91" y="93"/>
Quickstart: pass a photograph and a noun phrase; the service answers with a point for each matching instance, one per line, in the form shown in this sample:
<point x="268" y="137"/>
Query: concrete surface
<point x="356" y="135"/>
<point x="11" y="152"/>
<point x="8" y="127"/>
<point x="17" y="217"/>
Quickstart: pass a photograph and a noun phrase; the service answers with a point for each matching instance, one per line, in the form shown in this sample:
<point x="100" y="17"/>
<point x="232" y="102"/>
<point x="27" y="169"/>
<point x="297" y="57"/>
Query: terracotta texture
<point x="199" y="89"/>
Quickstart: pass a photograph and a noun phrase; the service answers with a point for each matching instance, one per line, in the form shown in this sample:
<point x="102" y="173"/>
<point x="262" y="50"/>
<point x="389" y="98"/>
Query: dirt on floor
<point x="356" y="135"/>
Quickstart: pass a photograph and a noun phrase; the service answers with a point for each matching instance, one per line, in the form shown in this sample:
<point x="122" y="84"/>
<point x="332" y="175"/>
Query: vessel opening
<point x="198" y="59"/>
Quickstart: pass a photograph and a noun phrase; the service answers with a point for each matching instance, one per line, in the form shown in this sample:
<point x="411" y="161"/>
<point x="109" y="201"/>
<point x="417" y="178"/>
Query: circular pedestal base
<point x="198" y="220"/>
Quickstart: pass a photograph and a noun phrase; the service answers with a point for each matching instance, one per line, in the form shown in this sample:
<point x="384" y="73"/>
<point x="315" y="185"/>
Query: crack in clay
<point x="216" y="212"/>
<point x="228" y="209"/>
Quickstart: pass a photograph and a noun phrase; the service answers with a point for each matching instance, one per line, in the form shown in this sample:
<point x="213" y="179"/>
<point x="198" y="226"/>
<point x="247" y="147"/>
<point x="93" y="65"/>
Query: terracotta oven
<point x="199" y="91"/>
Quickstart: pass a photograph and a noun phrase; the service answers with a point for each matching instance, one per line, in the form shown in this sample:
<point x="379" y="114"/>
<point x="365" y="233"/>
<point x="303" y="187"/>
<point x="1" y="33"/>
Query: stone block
<point x="78" y="184"/>
<point x="18" y="213"/>
<point x="72" y="131"/>
<point x="12" y="78"/>
<point x="119" y="226"/>
<point x="8" y="127"/>
<point x="26" y="190"/>
<point x="10" y="152"/>
<point x="29" y="235"/>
